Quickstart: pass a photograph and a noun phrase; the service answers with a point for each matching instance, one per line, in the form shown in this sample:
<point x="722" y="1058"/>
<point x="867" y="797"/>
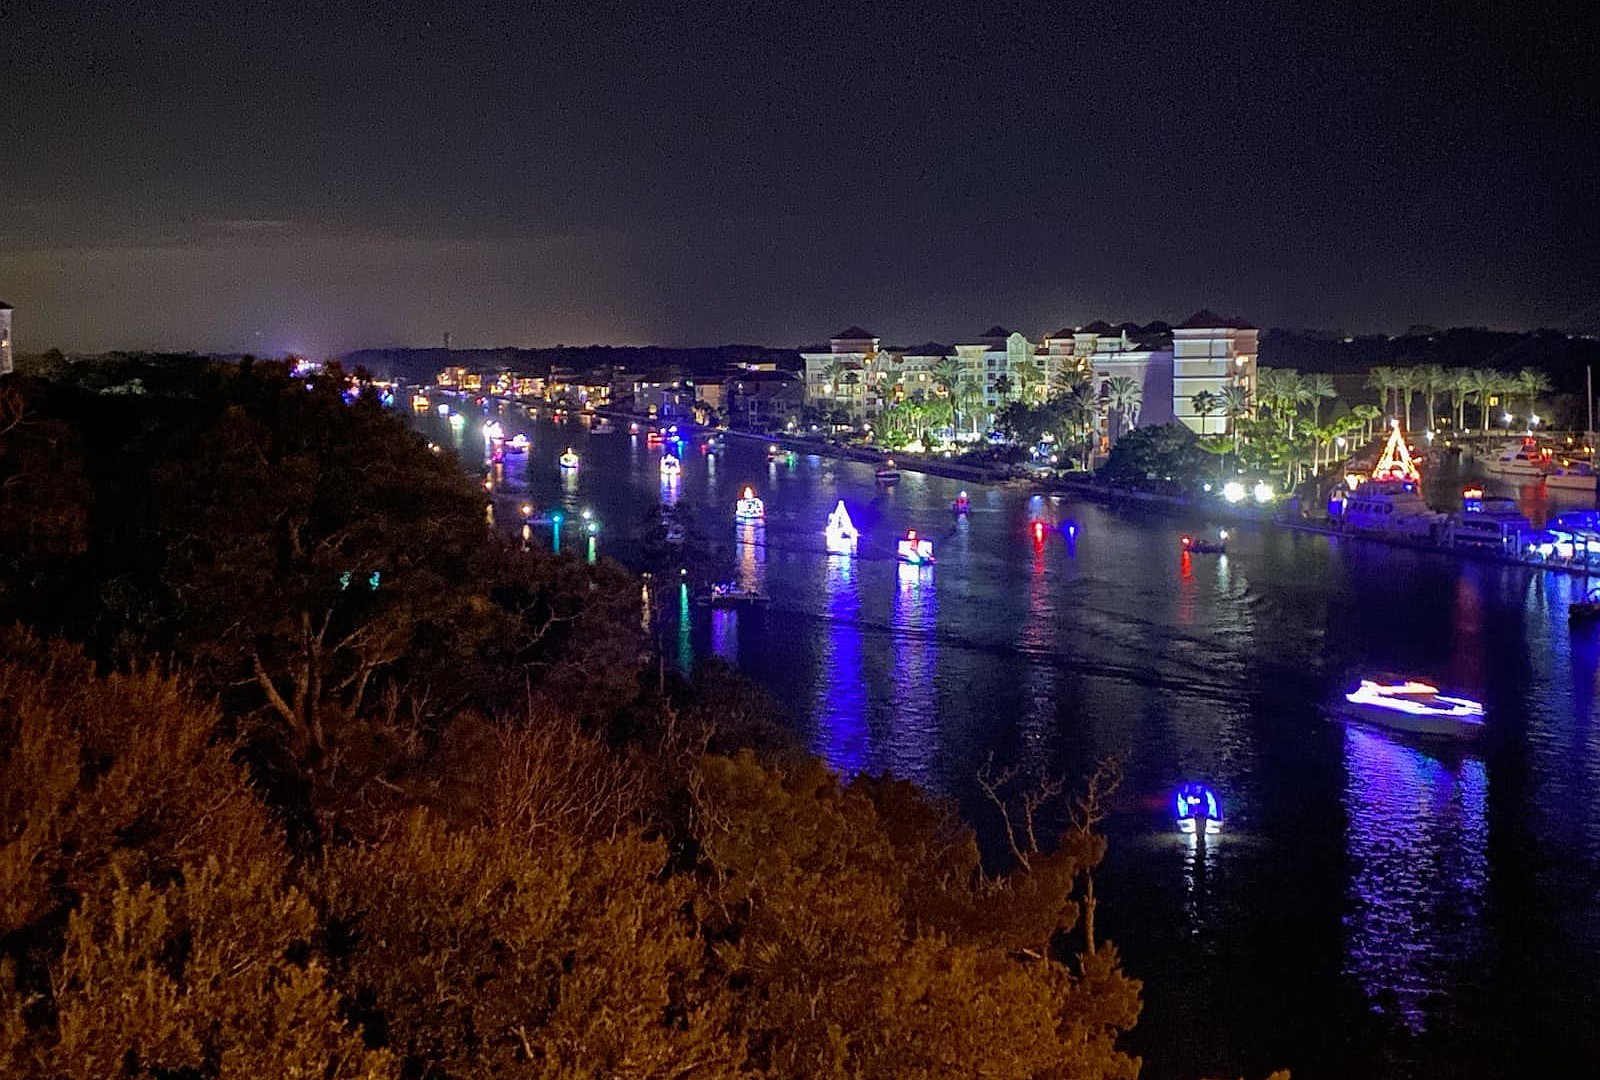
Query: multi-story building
<point x="6" y="359"/>
<point x="837" y="375"/>
<point x="1169" y="366"/>
<point x="764" y="399"/>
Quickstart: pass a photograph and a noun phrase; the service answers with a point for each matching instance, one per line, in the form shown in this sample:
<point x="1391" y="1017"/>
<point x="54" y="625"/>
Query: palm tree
<point x="1026" y="375"/>
<point x="1123" y="396"/>
<point x="1382" y="380"/>
<point x="1002" y="387"/>
<point x="1530" y="383"/>
<point x="1369" y="415"/>
<point x="1485" y="381"/>
<point x="1431" y="380"/>
<point x="1235" y="407"/>
<point x="1206" y="404"/>
<point x="1319" y="388"/>
<point x="1081" y="409"/>
<point x="1406" y="382"/>
<point x="1460" y="379"/>
<point x="948" y="375"/>
<point x="1283" y="391"/>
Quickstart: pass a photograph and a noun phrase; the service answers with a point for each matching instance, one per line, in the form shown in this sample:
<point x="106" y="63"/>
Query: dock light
<point x="587" y="514"/>
<point x="1222" y="534"/>
<point x="1263" y="492"/>
<point x="527" y="511"/>
<point x="1038" y="532"/>
<point x="1233" y="491"/>
<point x="1206" y="488"/>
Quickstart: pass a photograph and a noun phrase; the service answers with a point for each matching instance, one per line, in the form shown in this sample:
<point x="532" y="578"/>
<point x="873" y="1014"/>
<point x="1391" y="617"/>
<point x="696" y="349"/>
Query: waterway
<point x="1374" y="907"/>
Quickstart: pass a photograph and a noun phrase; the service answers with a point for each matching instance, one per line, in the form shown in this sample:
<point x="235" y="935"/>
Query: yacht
<point x="1572" y="476"/>
<point x="1389" y="502"/>
<point x="1414" y="707"/>
<point x="1489" y="522"/>
<point x="750" y="510"/>
<point x="1517" y="460"/>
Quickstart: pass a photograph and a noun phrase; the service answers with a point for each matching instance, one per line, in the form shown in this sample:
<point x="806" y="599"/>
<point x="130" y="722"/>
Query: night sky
<point x="328" y="176"/>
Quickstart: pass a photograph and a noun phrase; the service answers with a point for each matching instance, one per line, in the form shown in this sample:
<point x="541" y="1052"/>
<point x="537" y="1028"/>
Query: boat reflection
<point x="914" y="725"/>
<point x="1417" y="840"/>
<point x="843" y="738"/>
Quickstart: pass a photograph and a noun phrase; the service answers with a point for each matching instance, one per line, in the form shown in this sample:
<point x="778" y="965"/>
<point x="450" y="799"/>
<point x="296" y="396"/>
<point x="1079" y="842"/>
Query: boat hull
<point x="1436" y="727"/>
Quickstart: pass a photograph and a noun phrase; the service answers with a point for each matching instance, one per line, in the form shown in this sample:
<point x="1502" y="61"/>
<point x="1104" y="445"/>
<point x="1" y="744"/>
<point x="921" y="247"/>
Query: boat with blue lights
<point x="569" y="459"/>
<point x="1199" y="811"/>
<point x="914" y="550"/>
<point x="749" y="510"/>
<point x="518" y="444"/>
<point x="1388" y="502"/>
<point x="1414" y="707"/>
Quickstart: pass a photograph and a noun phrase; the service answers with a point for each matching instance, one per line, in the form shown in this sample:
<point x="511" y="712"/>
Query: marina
<point x="1095" y="633"/>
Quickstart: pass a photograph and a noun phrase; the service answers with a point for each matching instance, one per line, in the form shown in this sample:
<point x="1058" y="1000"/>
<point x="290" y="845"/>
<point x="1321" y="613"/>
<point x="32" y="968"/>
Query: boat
<point x="750" y="509"/>
<point x="569" y="459"/>
<point x="1519" y="459"/>
<point x="518" y="444"/>
<point x="962" y="505"/>
<point x="1586" y="610"/>
<point x="1199" y="811"/>
<point x="1572" y="476"/>
<point x="1489" y="522"/>
<point x="653" y="437"/>
<point x="602" y="426"/>
<point x="888" y="474"/>
<point x="731" y="594"/>
<point x="774" y="452"/>
<point x="841" y="531"/>
<point x="1387" y="502"/>
<point x="914" y="550"/>
<point x="1198" y="546"/>
<point x="633" y="427"/>
<point x="1414" y="707"/>
<point x="670" y="465"/>
<point x="492" y="430"/>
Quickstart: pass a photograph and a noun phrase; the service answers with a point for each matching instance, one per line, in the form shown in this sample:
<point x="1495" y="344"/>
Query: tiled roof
<point x="1210" y="320"/>
<point x="929" y="348"/>
<point x="854" y="333"/>
<point x="1065" y="331"/>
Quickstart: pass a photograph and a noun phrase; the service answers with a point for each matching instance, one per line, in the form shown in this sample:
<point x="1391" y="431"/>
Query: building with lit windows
<point x="1168" y="364"/>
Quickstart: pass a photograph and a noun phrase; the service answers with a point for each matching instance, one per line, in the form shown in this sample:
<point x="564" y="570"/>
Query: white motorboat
<point x="731" y="594"/>
<point x="841" y="531"/>
<point x="670" y="465"/>
<point x="1517" y="460"/>
<point x="569" y="459"/>
<point x="1414" y="707"/>
<point x="1572" y="476"/>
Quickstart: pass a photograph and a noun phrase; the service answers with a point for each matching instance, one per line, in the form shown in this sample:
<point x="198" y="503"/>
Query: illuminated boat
<point x="653" y="437"/>
<point x="731" y="594"/>
<point x="1415" y="707"/>
<point x="518" y="444"/>
<point x="492" y="430"/>
<point x="888" y="474"/>
<point x="670" y="465"/>
<point x="569" y="460"/>
<point x="841" y="531"/>
<point x="774" y="452"/>
<point x="1390" y="502"/>
<point x="633" y="427"/>
<point x="1518" y="459"/>
<point x="1197" y="546"/>
<point x="962" y="505"/>
<point x="1572" y="476"/>
<point x="915" y="550"/>
<point x="1586" y="610"/>
<point x="1199" y="811"/>
<point x="602" y="426"/>
<point x="750" y="509"/>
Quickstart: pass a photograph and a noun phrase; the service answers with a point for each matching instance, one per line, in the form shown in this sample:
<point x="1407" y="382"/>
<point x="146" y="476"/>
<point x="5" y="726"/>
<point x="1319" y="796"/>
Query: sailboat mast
<point x="1588" y="384"/>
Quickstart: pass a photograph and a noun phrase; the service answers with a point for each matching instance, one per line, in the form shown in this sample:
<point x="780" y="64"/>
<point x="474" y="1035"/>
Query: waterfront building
<point x="1169" y="365"/>
<point x="6" y="364"/>
<point x="837" y="374"/>
<point x="764" y="399"/>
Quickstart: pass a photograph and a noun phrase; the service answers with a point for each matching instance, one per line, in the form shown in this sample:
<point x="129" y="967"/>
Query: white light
<point x="1263" y="492"/>
<point x="1233" y="491"/>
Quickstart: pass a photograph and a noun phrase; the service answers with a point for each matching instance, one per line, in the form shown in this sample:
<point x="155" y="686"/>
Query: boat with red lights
<point x="1196" y="545"/>
<point x="1414" y="707"/>
<point x="914" y="549"/>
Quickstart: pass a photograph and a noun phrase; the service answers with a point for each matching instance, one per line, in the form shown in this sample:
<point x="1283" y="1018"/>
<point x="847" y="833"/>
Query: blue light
<point x="1196" y="803"/>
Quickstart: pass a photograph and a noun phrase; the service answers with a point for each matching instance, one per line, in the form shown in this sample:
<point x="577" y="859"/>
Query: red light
<point x="1038" y="531"/>
<point x="911" y="534"/>
<point x="1187" y="541"/>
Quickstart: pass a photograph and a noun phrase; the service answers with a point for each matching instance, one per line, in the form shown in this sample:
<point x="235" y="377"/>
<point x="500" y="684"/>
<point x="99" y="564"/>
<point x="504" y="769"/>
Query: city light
<point x="1233" y="491"/>
<point x="1263" y="492"/>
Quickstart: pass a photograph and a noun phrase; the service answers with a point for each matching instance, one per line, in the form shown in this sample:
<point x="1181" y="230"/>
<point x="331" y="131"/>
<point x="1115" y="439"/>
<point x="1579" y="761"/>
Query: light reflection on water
<point x="1372" y="909"/>
<point x="1418" y="852"/>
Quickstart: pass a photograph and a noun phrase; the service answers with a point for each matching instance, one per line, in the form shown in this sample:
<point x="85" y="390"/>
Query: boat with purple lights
<point x="1414" y="707"/>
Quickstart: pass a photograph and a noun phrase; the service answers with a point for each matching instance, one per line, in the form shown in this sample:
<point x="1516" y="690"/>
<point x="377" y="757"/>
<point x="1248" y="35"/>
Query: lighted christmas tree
<point x="1395" y="463"/>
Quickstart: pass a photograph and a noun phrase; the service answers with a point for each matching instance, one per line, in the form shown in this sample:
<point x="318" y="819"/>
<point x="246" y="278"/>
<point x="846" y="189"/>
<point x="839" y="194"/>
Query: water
<point x="1374" y="907"/>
